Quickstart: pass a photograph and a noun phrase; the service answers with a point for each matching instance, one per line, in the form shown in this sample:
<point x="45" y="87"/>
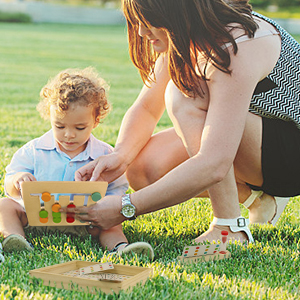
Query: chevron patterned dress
<point x="278" y="95"/>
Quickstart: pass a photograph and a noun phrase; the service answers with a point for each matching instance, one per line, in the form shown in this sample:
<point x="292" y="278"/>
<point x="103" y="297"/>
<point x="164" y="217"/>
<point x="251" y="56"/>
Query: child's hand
<point x="21" y="177"/>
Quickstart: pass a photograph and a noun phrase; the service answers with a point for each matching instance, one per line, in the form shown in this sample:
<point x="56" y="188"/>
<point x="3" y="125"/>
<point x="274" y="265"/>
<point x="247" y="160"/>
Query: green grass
<point x="29" y="54"/>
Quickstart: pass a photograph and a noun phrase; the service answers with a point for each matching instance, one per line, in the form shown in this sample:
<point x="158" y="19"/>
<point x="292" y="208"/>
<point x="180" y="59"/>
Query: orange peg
<point x="56" y="207"/>
<point x="46" y="196"/>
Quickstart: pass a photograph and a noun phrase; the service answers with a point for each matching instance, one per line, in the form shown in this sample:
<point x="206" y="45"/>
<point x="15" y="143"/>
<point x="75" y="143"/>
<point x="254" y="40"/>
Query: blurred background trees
<point x="117" y="3"/>
<point x="281" y="8"/>
<point x="275" y="3"/>
<point x="99" y="3"/>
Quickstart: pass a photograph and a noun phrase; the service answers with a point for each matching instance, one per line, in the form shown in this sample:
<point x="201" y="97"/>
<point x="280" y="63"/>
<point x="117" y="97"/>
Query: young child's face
<point x="73" y="130"/>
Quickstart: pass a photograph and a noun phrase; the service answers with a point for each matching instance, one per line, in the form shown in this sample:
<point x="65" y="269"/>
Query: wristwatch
<point x="128" y="209"/>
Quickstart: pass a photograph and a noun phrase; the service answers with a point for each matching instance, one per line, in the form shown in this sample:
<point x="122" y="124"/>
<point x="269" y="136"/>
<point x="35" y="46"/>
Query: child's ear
<point x="97" y="121"/>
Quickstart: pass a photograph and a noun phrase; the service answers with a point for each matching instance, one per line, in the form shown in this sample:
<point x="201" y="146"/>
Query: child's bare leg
<point x="111" y="237"/>
<point x="12" y="218"/>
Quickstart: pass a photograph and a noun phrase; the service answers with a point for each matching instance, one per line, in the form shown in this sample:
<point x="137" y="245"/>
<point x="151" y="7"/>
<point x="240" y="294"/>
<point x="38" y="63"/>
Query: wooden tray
<point x="61" y="192"/>
<point x="53" y="276"/>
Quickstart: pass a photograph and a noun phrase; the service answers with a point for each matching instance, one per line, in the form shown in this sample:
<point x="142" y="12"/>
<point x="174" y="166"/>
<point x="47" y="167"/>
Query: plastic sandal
<point x="252" y="197"/>
<point x="2" y="259"/>
<point x="138" y="248"/>
<point x="15" y="242"/>
<point x="235" y="225"/>
<point x="280" y="203"/>
<point x="116" y="248"/>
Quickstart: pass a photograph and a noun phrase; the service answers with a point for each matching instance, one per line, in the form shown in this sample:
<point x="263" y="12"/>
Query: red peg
<point x="71" y="216"/>
<point x="224" y="239"/>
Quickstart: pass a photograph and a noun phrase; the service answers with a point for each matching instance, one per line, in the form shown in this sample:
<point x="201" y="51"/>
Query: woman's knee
<point x="141" y="172"/>
<point x="163" y="152"/>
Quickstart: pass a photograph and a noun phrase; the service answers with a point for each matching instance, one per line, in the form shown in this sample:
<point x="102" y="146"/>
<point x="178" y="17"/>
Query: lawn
<point x="29" y="55"/>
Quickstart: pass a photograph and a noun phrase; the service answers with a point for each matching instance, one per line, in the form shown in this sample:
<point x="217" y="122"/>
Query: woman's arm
<point x="140" y="120"/>
<point x="137" y="127"/>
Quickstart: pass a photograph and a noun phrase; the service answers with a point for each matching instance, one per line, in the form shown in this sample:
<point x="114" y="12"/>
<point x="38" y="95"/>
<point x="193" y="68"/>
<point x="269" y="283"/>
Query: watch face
<point x="128" y="211"/>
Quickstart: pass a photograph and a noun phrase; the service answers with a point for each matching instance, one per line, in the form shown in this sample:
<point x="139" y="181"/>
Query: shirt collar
<point x="47" y="142"/>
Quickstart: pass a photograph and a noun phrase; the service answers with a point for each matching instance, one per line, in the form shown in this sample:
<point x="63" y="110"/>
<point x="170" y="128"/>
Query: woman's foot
<point x="214" y="234"/>
<point x="237" y="229"/>
<point x="264" y="209"/>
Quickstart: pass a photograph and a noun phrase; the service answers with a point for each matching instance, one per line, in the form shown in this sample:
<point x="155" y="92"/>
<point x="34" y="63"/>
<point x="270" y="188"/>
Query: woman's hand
<point x="104" y="214"/>
<point x="104" y="168"/>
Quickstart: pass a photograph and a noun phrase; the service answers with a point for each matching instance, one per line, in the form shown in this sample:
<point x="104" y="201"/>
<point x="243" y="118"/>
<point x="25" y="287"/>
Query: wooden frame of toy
<point x="43" y="200"/>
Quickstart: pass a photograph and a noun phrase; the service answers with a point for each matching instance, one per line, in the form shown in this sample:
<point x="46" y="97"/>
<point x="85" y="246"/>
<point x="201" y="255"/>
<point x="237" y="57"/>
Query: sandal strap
<point x="281" y="203"/>
<point x="115" y="249"/>
<point x="235" y="225"/>
<point x="252" y="197"/>
<point x="1" y="255"/>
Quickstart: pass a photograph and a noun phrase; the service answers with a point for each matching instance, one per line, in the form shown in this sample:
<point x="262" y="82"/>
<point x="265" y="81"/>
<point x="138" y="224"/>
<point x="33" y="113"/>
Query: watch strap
<point x="127" y="201"/>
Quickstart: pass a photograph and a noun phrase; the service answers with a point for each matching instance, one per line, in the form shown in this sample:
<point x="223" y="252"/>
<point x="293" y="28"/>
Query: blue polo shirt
<point x="43" y="158"/>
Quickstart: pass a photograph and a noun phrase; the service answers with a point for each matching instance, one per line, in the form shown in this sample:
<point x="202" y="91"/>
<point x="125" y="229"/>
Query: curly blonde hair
<point x="81" y="86"/>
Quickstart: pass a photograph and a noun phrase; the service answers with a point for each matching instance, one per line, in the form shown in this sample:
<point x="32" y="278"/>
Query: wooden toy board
<point x="58" y="194"/>
<point x="207" y="257"/>
<point x="204" y="252"/>
<point x="64" y="276"/>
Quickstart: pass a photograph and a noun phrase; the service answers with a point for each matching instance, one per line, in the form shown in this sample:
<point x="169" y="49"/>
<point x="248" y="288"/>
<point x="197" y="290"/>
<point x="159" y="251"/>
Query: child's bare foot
<point x="214" y="234"/>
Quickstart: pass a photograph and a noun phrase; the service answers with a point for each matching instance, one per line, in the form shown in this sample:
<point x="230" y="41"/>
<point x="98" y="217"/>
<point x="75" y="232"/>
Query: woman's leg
<point x="171" y="147"/>
<point x="248" y="169"/>
<point x="188" y="116"/>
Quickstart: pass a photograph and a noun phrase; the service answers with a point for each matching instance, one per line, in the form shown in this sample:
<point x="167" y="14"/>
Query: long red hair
<point x="191" y="26"/>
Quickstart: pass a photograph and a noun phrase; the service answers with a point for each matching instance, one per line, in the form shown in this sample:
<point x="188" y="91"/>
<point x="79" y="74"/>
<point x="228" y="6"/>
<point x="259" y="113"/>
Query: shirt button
<point x="71" y="164"/>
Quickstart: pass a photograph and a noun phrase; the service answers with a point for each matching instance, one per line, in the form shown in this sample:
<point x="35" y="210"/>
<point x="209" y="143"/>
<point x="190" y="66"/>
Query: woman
<point x="229" y="79"/>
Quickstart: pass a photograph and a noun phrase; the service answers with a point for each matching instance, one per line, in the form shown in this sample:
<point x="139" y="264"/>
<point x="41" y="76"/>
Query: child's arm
<point x="21" y="168"/>
<point x="118" y="186"/>
<point x="13" y="183"/>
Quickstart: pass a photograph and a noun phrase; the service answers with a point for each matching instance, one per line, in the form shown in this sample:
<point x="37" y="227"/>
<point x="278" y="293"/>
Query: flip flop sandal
<point x="15" y="242"/>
